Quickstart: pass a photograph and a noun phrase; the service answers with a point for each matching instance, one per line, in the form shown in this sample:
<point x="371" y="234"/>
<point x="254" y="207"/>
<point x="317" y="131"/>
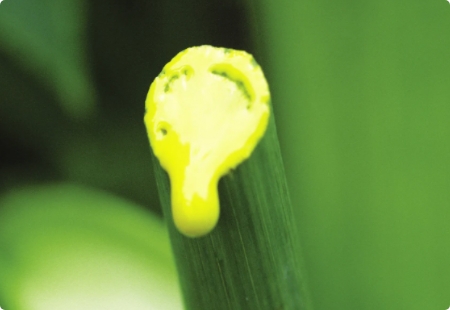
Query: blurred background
<point x="361" y="95"/>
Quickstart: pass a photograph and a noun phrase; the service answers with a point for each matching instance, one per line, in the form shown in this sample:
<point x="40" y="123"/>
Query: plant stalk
<point x="251" y="259"/>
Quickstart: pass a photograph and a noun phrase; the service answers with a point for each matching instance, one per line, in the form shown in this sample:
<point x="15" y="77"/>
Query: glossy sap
<point x="205" y="113"/>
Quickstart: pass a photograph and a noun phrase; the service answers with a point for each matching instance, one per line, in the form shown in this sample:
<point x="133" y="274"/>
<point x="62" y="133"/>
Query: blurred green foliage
<point x="69" y="247"/>
<point x="361" y="94"/>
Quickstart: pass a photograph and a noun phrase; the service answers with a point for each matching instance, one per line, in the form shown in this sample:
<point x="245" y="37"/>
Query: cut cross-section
<point x="205" y="114"/>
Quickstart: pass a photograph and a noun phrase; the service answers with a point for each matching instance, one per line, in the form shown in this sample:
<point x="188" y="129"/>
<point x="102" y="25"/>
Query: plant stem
<point x="251" y="259"/>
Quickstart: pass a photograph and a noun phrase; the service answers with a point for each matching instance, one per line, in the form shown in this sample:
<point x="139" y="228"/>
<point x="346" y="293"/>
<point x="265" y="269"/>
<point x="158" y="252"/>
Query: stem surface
<point x="251" y="259"/>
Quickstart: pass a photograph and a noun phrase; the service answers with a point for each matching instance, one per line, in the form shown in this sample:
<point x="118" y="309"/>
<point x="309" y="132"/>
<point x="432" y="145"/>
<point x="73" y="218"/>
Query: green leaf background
<point x="64" y="246"/>
<point x="361" y="95"/>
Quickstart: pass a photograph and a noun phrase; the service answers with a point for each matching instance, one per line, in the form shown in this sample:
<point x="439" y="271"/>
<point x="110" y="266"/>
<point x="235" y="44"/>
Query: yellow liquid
<point x="205" y="113"/>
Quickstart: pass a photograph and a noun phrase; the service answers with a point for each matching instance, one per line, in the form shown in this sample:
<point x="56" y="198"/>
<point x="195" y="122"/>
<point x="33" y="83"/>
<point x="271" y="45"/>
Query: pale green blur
<point x="67" y="247"/>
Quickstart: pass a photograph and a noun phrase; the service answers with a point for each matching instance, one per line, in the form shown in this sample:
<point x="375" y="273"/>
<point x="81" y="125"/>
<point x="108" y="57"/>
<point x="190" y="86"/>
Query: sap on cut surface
<point x="206" y="113"/>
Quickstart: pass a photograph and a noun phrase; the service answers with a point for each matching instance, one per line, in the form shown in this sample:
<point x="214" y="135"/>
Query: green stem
<point x="250" y="260"/>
